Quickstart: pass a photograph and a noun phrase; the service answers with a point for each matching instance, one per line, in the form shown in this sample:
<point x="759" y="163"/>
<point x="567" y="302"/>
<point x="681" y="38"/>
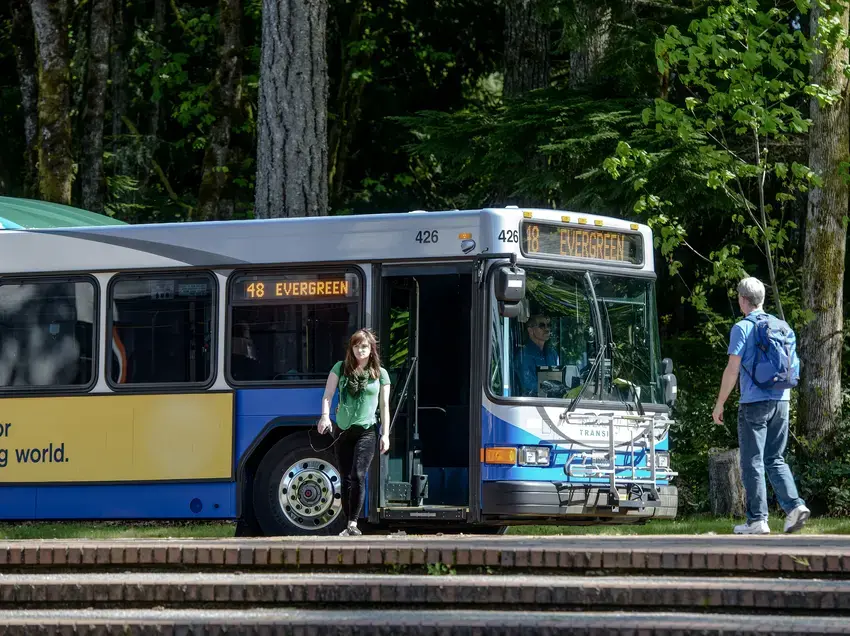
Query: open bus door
<point x="423" y="315"/>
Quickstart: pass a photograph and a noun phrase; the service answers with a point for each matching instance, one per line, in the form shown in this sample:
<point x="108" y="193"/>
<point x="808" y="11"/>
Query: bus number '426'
<point x="509" y="236"/>
<point x="427" y="236"/>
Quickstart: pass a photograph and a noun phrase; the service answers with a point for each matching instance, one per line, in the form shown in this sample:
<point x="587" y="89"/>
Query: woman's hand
<point x="385" y="443"/>
<point x="324" y="424"/>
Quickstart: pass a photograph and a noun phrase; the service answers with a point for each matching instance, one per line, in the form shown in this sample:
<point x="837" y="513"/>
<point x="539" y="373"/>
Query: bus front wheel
<point x="298" y="490"/>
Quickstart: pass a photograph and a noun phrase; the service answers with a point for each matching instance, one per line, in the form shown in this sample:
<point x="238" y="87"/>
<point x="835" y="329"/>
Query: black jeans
<point x="355" y="449"/>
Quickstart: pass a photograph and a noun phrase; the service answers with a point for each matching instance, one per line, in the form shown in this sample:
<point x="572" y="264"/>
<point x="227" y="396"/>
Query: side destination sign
<point x="285" y="287"/>
<point x="546" y="239"/>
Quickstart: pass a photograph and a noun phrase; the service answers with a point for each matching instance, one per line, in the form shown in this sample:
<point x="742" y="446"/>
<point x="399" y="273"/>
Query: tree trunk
<point x="823" y="257"/>
<point x="725" y="486"/>
<point x="292" y="147"/>
<point x="346" y="110"/>
<point x="79" y="28"/>
<point x="93" y="186"/>
<point x="118" y="70"/>
<point x="212" y="200"/>
<point x="526" y="47"/>
<point x="50" y="19"/>
<point x="593" y="24"/>
<point x="23" y="41"/>
<point x="156" y="100"/>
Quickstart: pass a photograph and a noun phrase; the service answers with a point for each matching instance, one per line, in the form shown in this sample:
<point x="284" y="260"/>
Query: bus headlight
<point x="662" y="460"/>
<point x="533" y="456"/>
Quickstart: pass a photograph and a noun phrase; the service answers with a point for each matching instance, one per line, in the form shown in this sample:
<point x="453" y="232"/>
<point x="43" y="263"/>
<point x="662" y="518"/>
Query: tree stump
<point x="725" y="488"/>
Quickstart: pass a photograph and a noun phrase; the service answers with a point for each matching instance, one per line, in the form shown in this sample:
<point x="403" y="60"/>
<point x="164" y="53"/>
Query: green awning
<point x="17" y="214"/>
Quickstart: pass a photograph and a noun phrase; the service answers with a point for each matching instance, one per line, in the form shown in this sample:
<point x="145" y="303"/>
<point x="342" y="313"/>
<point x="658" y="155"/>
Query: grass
<point x="685" y="525"/>
<point x="116" y="530"/>
<point x="694" y="525"/>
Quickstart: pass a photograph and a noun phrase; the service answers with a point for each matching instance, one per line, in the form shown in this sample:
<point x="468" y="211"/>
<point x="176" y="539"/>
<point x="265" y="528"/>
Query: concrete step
<point x="532" y="592"/>
<point x="298" y="622"/>
<point x="794" y="555"/>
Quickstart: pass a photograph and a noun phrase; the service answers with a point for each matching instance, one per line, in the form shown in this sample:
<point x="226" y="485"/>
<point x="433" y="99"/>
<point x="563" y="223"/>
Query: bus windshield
<point x="549" y="349"/>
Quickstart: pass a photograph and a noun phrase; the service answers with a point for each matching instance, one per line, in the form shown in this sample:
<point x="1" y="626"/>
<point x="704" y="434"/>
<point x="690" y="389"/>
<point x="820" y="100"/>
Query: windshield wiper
<point x="606" y="342"/>
<point x="587" y="380"/>
<point x="601" y="343"/>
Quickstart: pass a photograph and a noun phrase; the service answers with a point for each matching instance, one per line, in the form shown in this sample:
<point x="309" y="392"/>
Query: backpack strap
<point x="754" y="320"/>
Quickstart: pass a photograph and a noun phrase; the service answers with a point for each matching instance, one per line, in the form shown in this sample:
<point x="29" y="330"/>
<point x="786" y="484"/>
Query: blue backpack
<point x="776" y="365"/>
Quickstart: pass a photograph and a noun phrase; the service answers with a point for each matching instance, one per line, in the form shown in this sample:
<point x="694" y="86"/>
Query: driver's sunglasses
<point x="544" y="325"/>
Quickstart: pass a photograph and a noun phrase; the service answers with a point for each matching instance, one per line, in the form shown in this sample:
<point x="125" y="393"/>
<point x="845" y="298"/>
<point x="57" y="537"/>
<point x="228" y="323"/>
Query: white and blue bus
<point x="176" y="371"/>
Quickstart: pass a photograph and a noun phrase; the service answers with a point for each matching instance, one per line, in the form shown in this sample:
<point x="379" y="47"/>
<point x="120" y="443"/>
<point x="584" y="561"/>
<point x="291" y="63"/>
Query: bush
<point x="822" y="469"/>
<point x="698" y="368"/>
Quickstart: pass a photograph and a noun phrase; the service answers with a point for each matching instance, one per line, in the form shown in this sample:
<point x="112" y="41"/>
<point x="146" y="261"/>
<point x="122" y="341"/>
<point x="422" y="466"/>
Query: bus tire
<point x="297" y="490"/>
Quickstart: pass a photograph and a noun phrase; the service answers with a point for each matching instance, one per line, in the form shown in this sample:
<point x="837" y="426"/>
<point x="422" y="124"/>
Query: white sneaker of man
<point x="754" y="527"/>
<point x="796" y="519"/>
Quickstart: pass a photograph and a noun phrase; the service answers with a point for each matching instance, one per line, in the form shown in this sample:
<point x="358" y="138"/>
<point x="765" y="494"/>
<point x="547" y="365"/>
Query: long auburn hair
<point x="373" y="365"/>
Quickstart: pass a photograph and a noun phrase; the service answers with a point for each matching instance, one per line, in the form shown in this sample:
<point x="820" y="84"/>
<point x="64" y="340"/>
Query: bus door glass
<point x="425" y="322"/>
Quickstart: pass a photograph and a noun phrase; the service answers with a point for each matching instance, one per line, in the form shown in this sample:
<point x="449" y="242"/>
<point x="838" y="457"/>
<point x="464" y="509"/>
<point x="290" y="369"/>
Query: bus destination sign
<point x="295" y="288"/>
<point x="584" y="243"/>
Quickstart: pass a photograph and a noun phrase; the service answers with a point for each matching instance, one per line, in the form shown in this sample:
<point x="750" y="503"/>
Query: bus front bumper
<point x="527" y="500"/>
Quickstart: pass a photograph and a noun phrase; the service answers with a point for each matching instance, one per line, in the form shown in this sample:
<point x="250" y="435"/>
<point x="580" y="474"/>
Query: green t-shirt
<point x="360" y="410"/>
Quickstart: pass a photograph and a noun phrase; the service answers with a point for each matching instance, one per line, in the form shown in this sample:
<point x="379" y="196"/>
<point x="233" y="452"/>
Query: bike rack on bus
<point x="641" y="439"/>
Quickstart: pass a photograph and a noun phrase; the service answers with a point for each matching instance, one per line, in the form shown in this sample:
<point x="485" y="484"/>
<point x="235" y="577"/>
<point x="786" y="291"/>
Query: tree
<point x="93" y="187"/>
<point x="25" y="56"/>
<point x="118" y="71"/>
<point x="213" y="199"/>
<point x="50" y="18"/>
<point x="355" y="57"/>
<point x="292" y="145"/>
<point x="826" y="221"/>
<point x="740" y="84"/>
<point x="593" y="27"/>
<point x="526" y="47"/>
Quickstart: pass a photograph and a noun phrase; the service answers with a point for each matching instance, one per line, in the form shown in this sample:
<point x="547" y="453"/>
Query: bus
<point x="176" y="371"/>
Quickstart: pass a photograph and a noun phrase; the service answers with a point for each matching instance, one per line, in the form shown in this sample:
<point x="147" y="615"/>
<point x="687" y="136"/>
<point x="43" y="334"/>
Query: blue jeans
<point x="762" y="436"/>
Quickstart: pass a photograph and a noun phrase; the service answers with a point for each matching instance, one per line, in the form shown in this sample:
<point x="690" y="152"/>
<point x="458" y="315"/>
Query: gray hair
<point x="752" y="290"/>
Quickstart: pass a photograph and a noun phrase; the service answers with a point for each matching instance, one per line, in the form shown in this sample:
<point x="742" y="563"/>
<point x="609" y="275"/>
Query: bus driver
<point x="537" y="352"/>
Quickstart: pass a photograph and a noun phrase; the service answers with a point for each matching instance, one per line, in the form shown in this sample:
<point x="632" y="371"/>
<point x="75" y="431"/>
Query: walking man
<point x="762" y="421"/>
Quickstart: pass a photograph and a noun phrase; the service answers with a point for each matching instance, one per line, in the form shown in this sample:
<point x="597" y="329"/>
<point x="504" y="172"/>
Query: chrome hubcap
<point x="310" y="493"/>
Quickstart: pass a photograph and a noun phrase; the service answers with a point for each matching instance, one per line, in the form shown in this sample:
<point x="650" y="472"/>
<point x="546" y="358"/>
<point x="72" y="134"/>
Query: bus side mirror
<point x="509" y="284"/>
<point x="669" y="382"/>
<point x="509" y="310"/>
<point x="509" y="289"/>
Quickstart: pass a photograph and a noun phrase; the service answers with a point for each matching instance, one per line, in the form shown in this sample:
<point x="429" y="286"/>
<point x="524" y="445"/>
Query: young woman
<point x="363" y="384"/>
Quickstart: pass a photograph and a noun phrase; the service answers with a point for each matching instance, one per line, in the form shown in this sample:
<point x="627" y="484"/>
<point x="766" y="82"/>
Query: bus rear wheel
<point x="298" y="490"/>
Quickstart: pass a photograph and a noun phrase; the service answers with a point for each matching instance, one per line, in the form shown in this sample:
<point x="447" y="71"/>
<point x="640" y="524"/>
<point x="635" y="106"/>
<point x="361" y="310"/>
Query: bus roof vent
<point x="512" y="207"/>
<point x="418" y="212"/>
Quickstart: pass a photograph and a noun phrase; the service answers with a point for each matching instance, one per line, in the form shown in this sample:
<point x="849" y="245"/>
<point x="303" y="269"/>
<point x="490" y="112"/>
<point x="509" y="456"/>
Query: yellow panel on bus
<point x="115" y="438"/>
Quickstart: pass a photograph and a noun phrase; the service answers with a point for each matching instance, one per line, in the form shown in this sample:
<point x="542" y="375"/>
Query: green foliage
<point x="484" y="153"/>
<point x="695" y="111"/>
<point x="398" y="351"/>
<point x="440" y="569"/>
<point x="694" y="433"/>
<point x="822" y="468"/>
<point x="742" y="73"/>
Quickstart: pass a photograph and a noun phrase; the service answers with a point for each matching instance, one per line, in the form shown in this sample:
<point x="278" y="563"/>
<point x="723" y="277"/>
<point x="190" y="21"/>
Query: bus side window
<point x="287" y="326"/>
<point x="47" y="333"/>
<point x="161" y="329"/>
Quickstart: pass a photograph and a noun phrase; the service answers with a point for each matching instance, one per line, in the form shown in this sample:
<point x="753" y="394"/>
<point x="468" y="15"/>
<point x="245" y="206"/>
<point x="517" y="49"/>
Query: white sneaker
<point x="756" y="527"/>
<point x="796" y="519"/>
